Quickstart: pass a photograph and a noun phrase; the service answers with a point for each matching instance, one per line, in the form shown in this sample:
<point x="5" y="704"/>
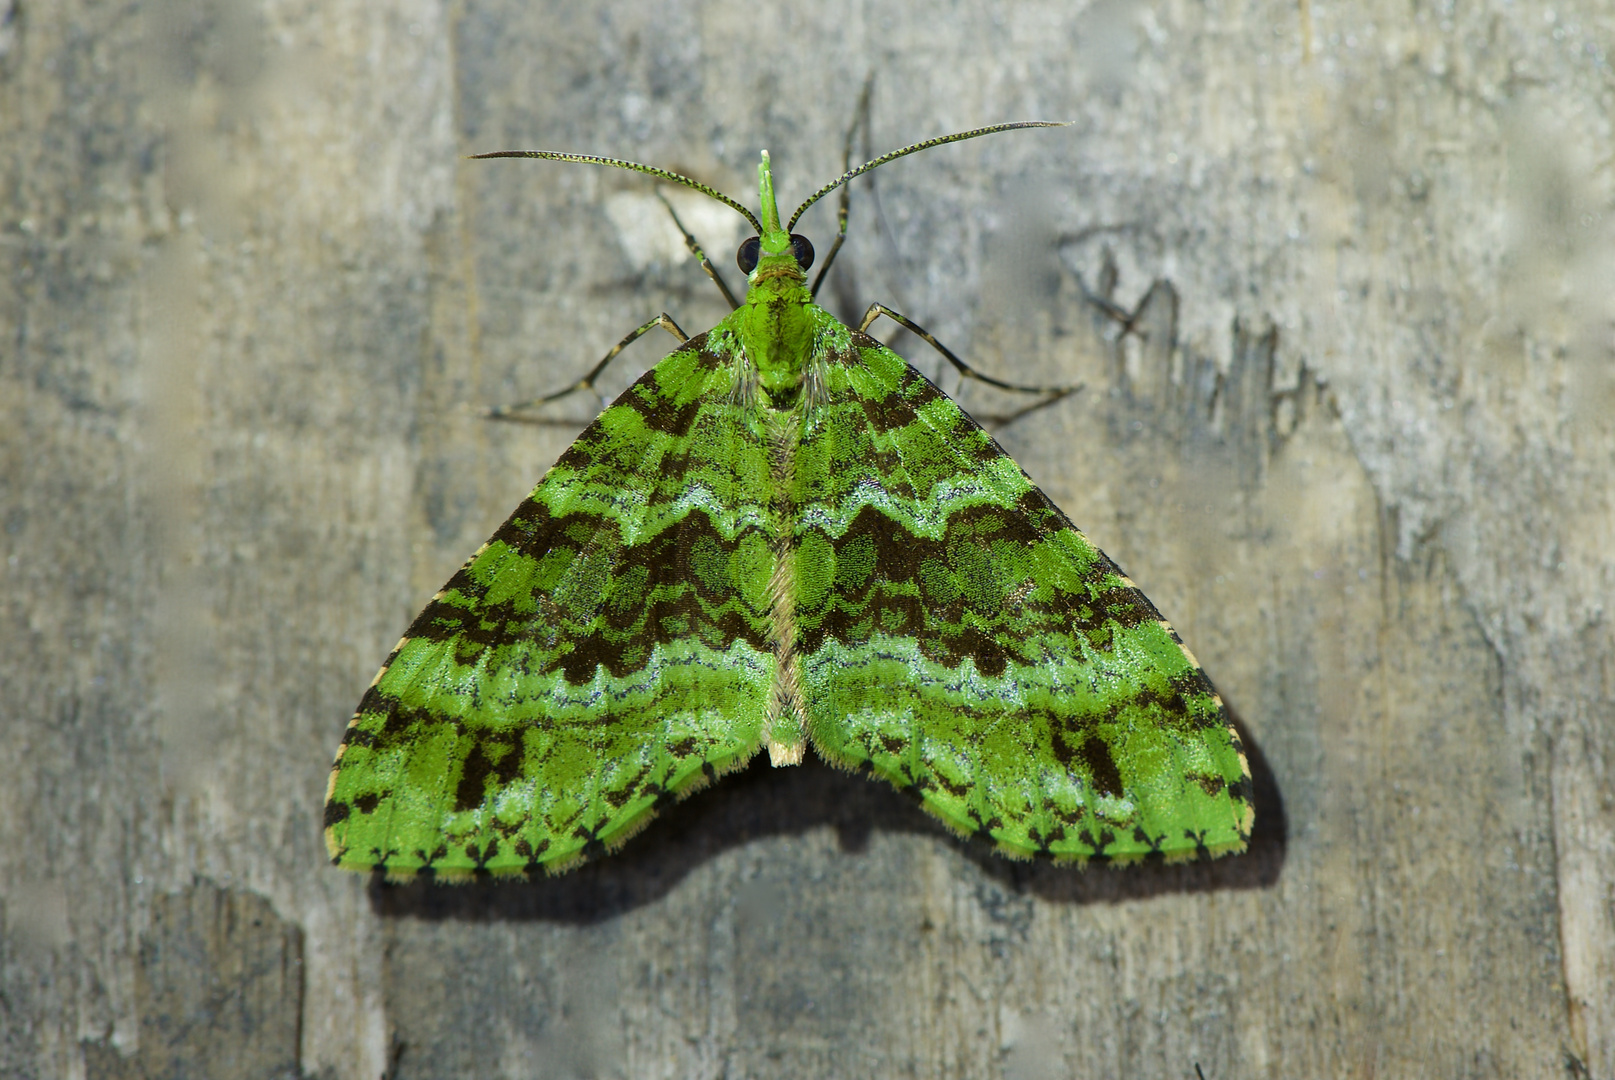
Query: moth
<point x="783" y="535"/>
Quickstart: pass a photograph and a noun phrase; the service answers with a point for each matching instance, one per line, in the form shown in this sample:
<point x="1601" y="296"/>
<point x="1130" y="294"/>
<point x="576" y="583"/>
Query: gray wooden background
<point x="1359" y="450"/>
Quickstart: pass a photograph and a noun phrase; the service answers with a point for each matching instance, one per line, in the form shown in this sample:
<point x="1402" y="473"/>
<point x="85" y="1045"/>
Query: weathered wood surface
<point x="1360" y="452"/>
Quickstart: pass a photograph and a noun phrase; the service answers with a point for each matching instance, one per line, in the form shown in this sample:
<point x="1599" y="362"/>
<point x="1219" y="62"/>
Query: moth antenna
<point x="914" y="149"/>
<point x="632" y="166"/>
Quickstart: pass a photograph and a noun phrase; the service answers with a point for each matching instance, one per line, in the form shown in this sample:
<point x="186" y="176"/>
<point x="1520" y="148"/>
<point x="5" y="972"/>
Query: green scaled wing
<point x="957" y="636"/>
<point x="604" y="654"/>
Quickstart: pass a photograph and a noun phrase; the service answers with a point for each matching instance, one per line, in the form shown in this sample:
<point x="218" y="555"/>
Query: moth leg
<point x="877" y="310"/>
<point x="860" y="118"/>
<point x="701" y="256"/>
<point x="664" y="320"/>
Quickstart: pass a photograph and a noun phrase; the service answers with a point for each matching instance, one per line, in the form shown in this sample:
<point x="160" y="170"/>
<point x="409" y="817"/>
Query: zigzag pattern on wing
<point x="605" y="653"/>
<point x="959" y="637"/>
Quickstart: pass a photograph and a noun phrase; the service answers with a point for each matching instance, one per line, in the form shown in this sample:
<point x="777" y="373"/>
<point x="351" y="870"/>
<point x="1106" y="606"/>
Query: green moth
<point x="783" y="534"/>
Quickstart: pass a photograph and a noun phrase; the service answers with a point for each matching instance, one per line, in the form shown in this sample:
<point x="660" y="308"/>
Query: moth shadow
<point x="760" y="801"/>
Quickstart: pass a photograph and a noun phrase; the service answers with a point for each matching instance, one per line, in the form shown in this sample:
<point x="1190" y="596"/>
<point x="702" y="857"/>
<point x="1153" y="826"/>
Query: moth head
<point x="751" y="250"/>
<point x="775" y="251"/>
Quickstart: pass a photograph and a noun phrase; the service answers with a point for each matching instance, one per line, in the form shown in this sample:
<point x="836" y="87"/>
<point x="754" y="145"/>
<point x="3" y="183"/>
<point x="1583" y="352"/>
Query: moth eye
<point x="746" y="257"/>
<point x="802" y="250"/>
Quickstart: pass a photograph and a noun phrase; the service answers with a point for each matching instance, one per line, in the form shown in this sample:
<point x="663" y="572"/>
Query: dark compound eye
<point x="746" y="257"/>
<point x="751" y="250"/>
<point x="802" y="250"/>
